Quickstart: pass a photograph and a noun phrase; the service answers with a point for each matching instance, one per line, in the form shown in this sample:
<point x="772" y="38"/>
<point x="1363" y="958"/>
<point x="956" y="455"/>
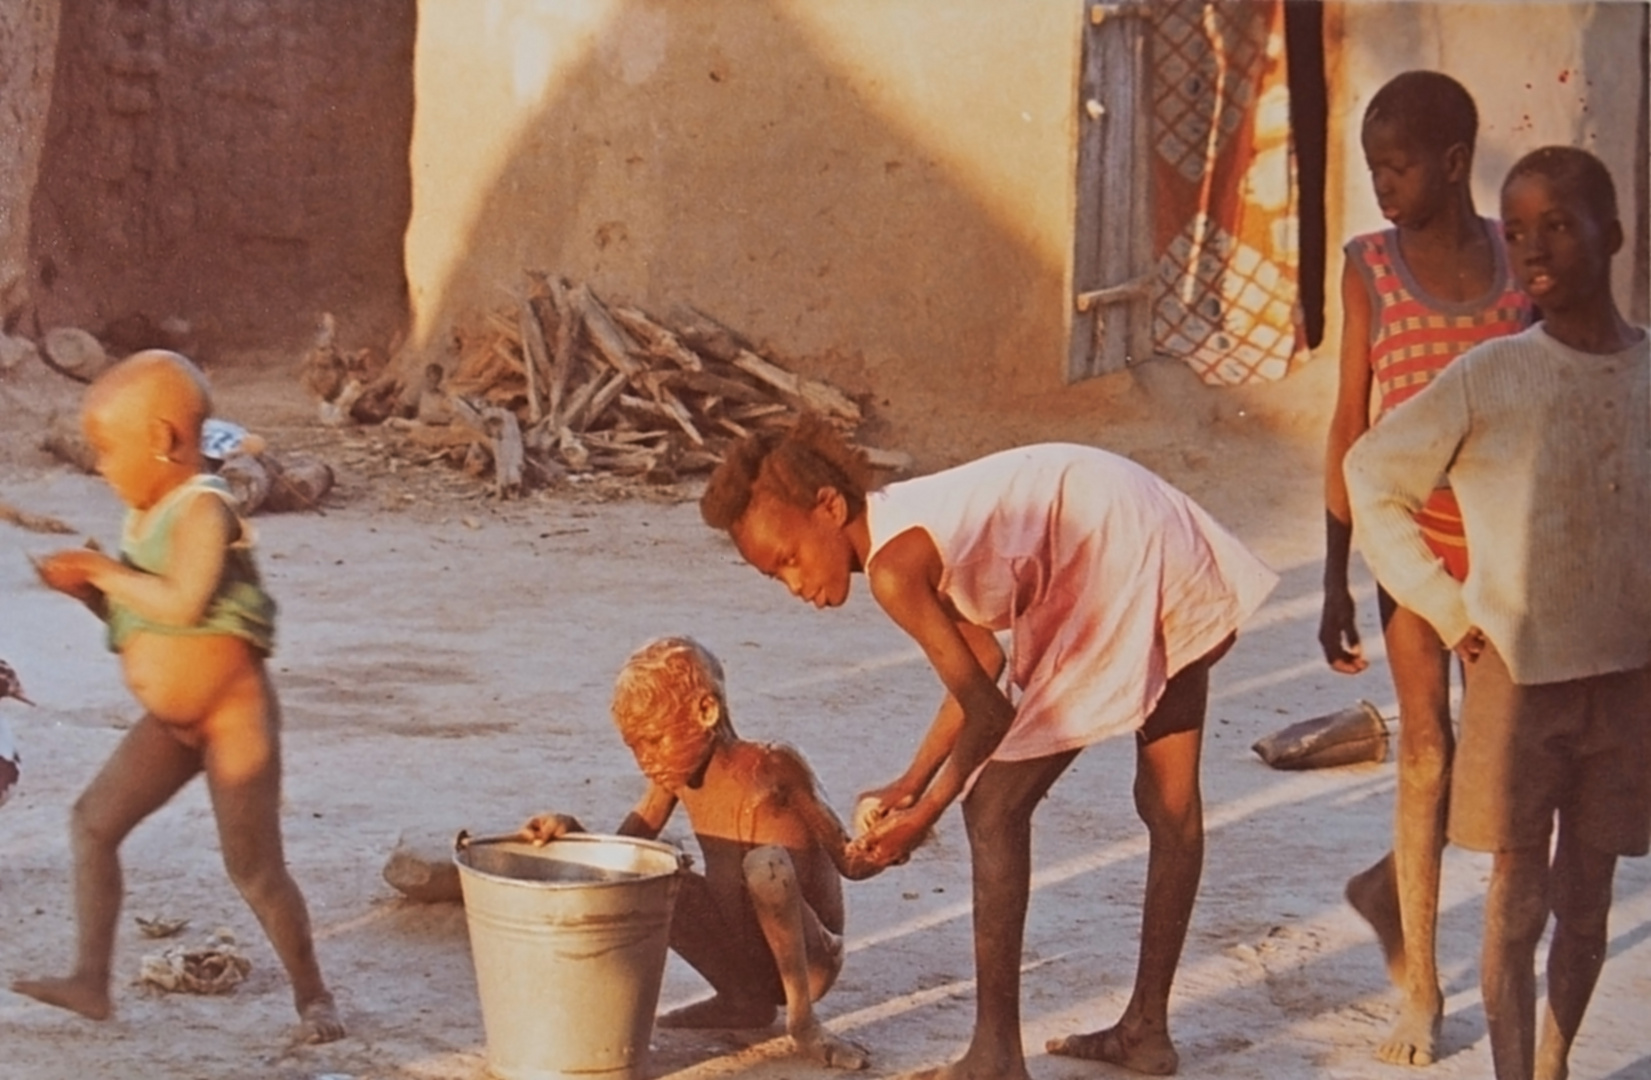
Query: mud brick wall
<point x="28" y="33"/>
<point x="238" y="164"/>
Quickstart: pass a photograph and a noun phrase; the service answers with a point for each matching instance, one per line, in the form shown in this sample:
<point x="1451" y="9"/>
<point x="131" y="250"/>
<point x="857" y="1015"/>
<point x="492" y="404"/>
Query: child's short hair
<point x="793" y="465"/>
<point x="1429" y="108"/>
<point x="660" y="677"/>
<point x="1575" y="171"/>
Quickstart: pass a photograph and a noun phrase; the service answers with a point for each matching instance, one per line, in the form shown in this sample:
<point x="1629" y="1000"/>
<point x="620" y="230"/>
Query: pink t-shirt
<point x="1109" y="580"/>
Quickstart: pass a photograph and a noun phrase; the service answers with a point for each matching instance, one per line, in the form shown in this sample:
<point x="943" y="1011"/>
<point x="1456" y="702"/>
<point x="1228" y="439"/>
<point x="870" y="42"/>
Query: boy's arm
<point x="904" y="579"/>
<point x="799" y="792"/>
<point x="1390" y="473"/>
<point x="1338" y="631"/>
<point x="650" y="813"/>
<point x="938" y="741"/>
<point x="178" y="595"/>
<point x="644" y="821"/>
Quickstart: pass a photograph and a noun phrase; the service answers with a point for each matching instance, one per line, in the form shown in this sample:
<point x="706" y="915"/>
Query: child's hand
<point x="871" y="807"/>
<point x="1339" y="632"/>
<point x="1472" y="644"/>
<point x="543" y="828"/>
<point x="893" y="838"/>
<point x="71" y="572"/>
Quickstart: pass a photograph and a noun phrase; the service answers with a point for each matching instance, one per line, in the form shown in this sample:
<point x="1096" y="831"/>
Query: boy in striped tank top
<point x="1415" y="296"/>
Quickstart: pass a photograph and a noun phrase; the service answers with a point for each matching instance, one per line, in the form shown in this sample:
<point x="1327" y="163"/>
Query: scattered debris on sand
<point x="216" y="967"/>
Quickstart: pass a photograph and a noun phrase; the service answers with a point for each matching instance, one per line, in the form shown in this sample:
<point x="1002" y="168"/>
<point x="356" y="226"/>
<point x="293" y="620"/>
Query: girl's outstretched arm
<point x="905" y="579"/>
<point x="941" y="737"/>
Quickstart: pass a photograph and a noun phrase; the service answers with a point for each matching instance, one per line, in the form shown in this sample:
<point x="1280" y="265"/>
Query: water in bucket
<point x="569" y="941"/>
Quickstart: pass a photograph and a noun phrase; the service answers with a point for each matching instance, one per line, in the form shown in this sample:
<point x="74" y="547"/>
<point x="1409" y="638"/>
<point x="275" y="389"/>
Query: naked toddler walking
<point x="192" y="623"/>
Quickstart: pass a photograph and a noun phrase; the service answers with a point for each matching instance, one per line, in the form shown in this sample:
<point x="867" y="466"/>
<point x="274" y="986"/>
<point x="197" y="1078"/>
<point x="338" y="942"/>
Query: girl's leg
<point x="1421" y="676"/>
<point x="1169" y="800"/>
<point x="146" y="769"/>
<point x="997" y="814"/>
<point x="807" y="955"/>
<point x="243" y="772"/>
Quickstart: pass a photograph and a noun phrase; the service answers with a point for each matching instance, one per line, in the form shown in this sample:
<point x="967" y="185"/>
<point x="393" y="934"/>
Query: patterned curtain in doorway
<point x="1224" y="183"/>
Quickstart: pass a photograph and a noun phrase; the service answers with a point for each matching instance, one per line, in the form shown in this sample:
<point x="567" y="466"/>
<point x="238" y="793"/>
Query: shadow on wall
<point x="241" y="167"/>
<point x="710" y="155"/>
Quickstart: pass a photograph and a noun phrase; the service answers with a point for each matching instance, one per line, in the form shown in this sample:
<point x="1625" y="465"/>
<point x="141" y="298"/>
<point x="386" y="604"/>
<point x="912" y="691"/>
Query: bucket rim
<point x="464" y="841"/>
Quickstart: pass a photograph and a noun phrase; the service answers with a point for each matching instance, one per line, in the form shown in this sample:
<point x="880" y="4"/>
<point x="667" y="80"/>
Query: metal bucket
<point x="1349" y="736"/>
<point x="569" y="941"/>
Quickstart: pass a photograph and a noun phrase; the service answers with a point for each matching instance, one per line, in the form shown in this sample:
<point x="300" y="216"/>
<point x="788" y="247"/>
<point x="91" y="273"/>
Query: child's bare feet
<point x="86" y="996"/>
<point x="1414" y="1036"/>
<point x="1149" y="1052"/>
<point x="1374" y="894"/>
<point x="720" y="1012"/>
<point x="816" y="1044"/>
<point x="318" y="1021"/>
<point x="965" y="1069"/>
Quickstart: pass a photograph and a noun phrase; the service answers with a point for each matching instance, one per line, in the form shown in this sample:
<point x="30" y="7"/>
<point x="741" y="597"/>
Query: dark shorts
<point x="1579" y="749"/>
<point x="1185" y="699"/>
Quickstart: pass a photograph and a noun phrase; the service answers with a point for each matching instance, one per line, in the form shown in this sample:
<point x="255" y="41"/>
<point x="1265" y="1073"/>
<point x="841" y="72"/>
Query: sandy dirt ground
<point x="445" y="662"/>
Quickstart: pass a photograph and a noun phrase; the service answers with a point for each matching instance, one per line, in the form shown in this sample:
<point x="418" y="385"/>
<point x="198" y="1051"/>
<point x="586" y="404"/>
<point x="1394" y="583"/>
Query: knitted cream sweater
<point x="1549" y="452"/>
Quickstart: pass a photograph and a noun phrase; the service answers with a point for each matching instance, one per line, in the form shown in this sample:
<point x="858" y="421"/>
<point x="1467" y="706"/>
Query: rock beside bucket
<point x="423" y="870"/>
<point x="1351" y="736"/>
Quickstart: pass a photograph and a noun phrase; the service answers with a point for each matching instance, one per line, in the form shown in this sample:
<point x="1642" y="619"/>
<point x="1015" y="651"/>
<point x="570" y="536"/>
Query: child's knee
<point x="1424" y="762"/>
<point x="253" y="872"/>
<point x="770" y="877"/>
<point x="90" y="824"/>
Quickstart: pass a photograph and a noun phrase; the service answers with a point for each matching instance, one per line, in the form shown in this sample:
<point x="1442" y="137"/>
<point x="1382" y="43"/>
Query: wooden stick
<point x="707" y="383"/>
<point x="757" y="412"/>
<point x="579" y="400"/>
<point x="604" y="397"/>
<point x="506" y="435"/>
<point x="705" y="335"/>
<point x="538" y="366"/>
<point x="561" y="363"/>
<point x="819" y="396"/>
<point x="40" y="523"/>
<point x="680" y="414"/>
<point x="610" y="341"/>
<point x="657" y="340"/>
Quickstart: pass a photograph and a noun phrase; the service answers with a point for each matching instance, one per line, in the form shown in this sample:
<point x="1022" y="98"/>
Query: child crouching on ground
<point x="764" y="923"/>
<point x="191" y="621"/>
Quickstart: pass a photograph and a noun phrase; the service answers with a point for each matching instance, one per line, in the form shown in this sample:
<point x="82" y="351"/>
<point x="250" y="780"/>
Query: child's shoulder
<point x="775" y="764"/>
<point x="1369" y="243"/>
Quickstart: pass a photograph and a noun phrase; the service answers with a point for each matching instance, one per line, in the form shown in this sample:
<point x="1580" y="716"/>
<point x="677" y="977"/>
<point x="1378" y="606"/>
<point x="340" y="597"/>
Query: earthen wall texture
<point x="28" y="37"/>
<point x="237" y="164"/>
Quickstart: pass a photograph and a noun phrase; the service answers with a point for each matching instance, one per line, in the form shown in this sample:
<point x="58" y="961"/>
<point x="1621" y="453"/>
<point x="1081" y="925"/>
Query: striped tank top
<point x="1414" y="335"/>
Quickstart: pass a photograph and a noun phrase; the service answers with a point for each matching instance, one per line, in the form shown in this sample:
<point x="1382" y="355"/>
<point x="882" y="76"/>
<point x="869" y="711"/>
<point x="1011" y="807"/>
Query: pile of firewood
<point x="563" y="383"/>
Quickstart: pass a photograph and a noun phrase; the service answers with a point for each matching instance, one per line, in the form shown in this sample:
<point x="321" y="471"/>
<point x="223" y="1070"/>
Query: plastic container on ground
<point x="569" y="941"/>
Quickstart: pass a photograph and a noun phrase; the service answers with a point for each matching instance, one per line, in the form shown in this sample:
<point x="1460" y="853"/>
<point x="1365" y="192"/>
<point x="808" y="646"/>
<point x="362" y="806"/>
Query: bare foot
<point x="720" y="1012"/>
<point x="1553" y="1056"/>
<point x="318" y="1021"/>
<point x="966" y="1070"/>
<point x="1413" y="1038"/>
<point x="816" y="1044"/>
<point x="1149" y="1052"/>
<point x="88" y="997"/>
<point x="1374" y="894"/>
